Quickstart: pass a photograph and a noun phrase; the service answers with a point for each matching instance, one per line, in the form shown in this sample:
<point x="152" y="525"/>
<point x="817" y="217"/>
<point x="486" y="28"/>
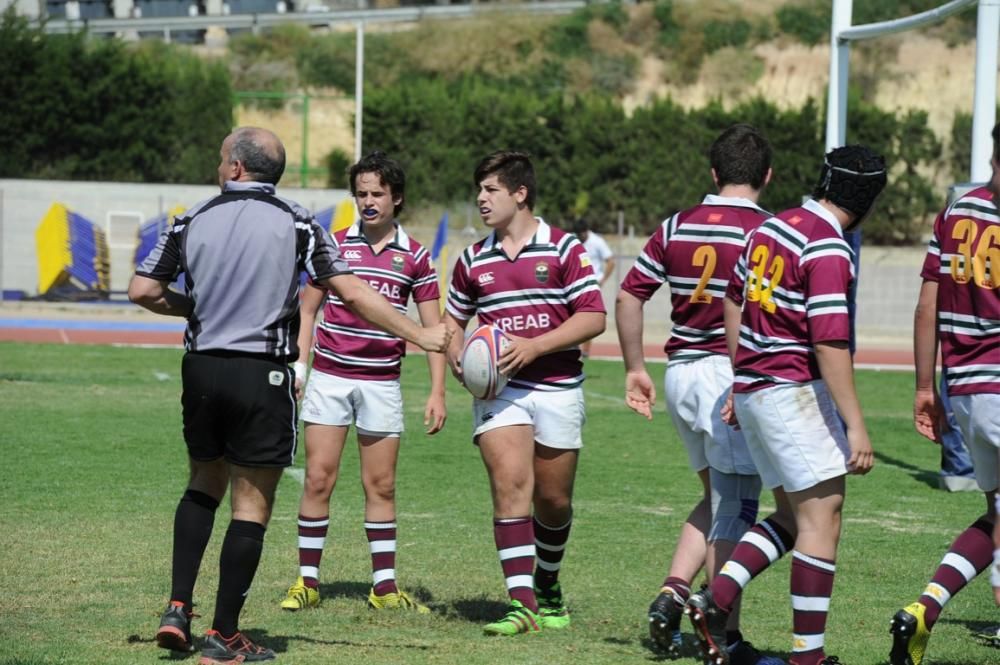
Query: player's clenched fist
<point x="434" y="338"/>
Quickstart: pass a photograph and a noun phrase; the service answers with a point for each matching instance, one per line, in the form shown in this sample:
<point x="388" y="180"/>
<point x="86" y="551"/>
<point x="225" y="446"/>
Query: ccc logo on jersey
<point x="352" y="255"/>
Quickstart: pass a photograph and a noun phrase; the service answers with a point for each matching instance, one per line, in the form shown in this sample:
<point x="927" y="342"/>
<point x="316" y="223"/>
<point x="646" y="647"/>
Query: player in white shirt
<point x="601" y="258"/>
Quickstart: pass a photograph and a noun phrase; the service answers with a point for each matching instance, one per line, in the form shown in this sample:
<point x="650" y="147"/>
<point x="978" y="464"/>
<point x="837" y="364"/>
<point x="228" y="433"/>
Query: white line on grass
<point x="297" y="474"/>
<point x="610" y="398"/>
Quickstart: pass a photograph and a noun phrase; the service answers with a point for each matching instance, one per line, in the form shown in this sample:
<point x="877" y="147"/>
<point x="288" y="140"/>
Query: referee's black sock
<point x="237" y="566"/>
<point x="192" y="528"/>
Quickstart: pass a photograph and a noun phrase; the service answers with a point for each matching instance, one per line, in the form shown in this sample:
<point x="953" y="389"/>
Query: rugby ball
<point x="479" y="362"/>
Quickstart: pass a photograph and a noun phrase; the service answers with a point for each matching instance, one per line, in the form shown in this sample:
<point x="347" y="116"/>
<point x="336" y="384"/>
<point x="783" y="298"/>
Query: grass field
<point x="93" y="465"/>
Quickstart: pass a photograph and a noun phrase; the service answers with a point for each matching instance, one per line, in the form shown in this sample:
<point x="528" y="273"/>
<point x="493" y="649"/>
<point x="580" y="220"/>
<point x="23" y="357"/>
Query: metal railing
<point x="254" y="22"/>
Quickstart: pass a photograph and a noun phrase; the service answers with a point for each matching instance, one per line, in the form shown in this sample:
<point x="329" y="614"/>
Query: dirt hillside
<point x="908" y="71"/>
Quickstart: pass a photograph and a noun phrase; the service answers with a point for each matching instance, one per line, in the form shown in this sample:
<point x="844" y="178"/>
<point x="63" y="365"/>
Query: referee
<point x="241" y="253"/>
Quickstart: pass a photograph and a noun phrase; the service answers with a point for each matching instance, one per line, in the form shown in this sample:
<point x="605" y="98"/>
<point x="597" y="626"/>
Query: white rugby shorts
<point x="557" y="416"/>
<point x="375" y="407"/>
<point x="694" y="393"/>
<point x="794" y="434"/>
<point x="978" y="417"/>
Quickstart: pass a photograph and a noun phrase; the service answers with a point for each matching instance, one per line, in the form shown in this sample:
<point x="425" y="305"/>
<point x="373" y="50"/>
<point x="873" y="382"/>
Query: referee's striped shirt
<point x="241" y="253"/>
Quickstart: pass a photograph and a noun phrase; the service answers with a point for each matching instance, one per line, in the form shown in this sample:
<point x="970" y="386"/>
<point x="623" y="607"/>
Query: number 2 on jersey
<point x="704" y="257"/>
<point x="987" y="249"/>
<point x="756" y="290"/>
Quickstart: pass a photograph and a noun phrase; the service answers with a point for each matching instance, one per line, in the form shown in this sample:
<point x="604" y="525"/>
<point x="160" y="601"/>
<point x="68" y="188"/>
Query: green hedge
<point x="89" y="109"/>
<point x="97" y="109"/>
<point x="592" y="158"/>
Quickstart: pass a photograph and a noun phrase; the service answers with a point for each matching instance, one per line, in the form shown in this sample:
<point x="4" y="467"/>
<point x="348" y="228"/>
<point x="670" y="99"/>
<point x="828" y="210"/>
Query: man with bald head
<point x="241" y="253"/>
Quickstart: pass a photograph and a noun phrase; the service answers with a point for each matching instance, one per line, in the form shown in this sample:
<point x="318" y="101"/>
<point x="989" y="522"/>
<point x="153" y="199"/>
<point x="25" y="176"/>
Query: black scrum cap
<point x="852" y="178"/>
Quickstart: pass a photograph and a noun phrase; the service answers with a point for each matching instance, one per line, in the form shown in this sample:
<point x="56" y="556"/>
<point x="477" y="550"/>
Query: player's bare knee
<point x="381" y="489"/>
<point x="554" y="506"/>
<point x="320" y="482"/>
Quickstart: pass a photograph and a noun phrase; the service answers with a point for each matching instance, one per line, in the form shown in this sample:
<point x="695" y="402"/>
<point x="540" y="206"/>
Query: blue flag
<point x="441" y="237"/>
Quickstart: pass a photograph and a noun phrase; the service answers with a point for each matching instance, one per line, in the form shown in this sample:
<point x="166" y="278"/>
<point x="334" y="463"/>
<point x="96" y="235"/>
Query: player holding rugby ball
<point x="536" y="284"/>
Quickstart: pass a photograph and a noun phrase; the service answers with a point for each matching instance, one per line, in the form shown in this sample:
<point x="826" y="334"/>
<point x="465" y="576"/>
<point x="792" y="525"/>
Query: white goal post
<point x="842" y="33"/>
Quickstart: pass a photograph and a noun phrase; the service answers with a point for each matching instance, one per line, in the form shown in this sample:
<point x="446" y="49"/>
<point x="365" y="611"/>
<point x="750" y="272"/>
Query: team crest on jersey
<point x="584" y="260"/>
<point x="542" y="272"/>
<point x="398" y="263"/>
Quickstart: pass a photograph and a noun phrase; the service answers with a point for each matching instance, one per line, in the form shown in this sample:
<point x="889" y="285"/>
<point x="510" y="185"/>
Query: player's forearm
<point x="312" y="301"/>
<point x="609" y="267"/>
<point x="305" y="340"/>
<point x="430" y="315"/>
<point x="363" y="300"/>
<point x="576" y="330"/>
<point x="436" y="365"/>
<point x="157" y="298"/>
<point x="457" y="329"/>
<point x="732" y="314"/>
<point x="837" y="369"/>
<point x="629" y="322"/>
<point x="925" y="336"/>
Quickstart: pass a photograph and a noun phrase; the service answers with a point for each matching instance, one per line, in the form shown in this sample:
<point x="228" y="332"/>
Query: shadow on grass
<point x="278" y="643"/>
<point x="476" y="610"/>
<point x="345" y="590"/>
<point x="688" y="648"/>
<point x="138" y="639"/>
<point x="359" y="590"/>
<point x="929" y="478"/>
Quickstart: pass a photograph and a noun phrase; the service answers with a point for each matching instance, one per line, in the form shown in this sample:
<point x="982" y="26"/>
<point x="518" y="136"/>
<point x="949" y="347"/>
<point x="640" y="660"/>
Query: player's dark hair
<point x="741" y="156"/>
<point x="263" y="162"/>
<point x="852" y="178"/>
<point x="581" y="226"/>
<point x="513" y="170"/>
<point x="996" y="142"/>
<point x="389" y="172"/>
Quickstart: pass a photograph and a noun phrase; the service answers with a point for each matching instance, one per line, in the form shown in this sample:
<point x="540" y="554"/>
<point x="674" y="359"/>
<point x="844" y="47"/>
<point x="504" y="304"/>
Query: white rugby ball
<point x="479" y="362"/>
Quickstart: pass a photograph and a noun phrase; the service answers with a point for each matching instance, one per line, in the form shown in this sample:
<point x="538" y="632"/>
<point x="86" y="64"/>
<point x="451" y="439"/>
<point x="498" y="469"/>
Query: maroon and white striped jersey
<point x="792" y="282"/>
<point x="694" y="252"/>
<point x="535" y="292"/>
<point x="346" y="344"/>
<point x="963" y="257"/>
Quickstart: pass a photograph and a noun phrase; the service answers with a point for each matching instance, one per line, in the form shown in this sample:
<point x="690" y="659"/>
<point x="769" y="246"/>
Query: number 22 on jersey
<point x="757" y="291"/>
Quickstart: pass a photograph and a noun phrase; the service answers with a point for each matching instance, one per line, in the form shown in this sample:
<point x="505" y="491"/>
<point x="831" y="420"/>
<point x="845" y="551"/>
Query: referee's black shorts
<point x="240" y="407"/>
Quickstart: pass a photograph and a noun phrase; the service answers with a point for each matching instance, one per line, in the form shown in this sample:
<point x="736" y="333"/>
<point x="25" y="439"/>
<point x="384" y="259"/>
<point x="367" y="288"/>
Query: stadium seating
<point x="73" y="261"/>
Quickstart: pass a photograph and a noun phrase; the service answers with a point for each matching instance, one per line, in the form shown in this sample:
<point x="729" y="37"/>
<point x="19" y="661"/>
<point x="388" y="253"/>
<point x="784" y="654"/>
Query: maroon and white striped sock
<point x="812" y="587"/>
<point x="312" y="538"/>
<point x="759" y="547"/>
<point x="515" y="541"/>
<point x="382" y="544"/>
<point x="970" y="554"/>
<point x="550" y="547"/>
<point x="681" y="589"/>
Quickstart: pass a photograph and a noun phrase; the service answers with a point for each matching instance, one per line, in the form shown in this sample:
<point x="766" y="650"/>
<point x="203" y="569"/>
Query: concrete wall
<point x="888" y="291"/>
<point x="24" y="202"/>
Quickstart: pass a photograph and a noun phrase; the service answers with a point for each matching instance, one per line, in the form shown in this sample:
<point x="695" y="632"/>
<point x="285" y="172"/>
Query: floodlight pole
<point x="840" y="53"/>
<point x="984" y="106"/>
<point x="359" y="87"/>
